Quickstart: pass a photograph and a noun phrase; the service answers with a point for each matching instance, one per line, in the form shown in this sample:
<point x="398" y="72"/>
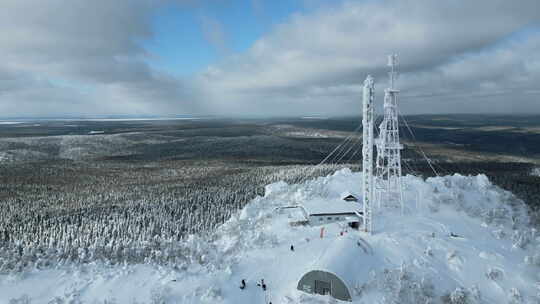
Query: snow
<point x="535" y="172"/>
<point x="336" y="205"/>
<point x="334" y="259"/>
<point x="461" y="238"/>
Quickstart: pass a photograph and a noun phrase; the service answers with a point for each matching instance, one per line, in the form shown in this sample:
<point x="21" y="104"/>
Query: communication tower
<point x="388" y="166"/>
<point x="367" y="152"/>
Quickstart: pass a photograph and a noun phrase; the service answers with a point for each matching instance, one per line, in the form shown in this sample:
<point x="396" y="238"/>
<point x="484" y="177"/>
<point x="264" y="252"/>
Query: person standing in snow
<point x="243" y="284"/>
<point x="292" y="248"/>
<point x="262" y="284"/>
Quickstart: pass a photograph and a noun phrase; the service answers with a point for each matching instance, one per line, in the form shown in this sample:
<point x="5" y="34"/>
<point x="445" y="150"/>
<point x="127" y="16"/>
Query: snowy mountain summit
<point x="460" y="239"/>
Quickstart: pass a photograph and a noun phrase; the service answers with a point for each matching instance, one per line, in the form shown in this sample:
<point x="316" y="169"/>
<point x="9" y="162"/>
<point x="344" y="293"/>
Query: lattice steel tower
<point x="388" y="171"/>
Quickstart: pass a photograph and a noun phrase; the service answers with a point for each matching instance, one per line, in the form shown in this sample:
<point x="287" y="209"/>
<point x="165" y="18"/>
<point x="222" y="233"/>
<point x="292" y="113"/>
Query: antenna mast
<point x="367" y="152"/>
<point x="388" y="180"/>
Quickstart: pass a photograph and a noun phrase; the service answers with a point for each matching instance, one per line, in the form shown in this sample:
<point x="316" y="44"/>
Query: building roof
<point x="350" y="198"/>
<point x="345" y="194"/>
<point x="337" y="206"/>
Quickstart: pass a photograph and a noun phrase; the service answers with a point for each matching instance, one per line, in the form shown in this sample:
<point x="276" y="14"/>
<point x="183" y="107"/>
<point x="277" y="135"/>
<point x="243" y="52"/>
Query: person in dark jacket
<point x="243" y="284"/>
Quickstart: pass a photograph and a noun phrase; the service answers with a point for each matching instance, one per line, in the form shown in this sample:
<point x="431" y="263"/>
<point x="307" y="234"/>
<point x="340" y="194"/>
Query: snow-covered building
<point x="335" y="273"/>
<point x="325" y="283"/>
<point x="322" y="212"/>
<point x="319" y="212"/>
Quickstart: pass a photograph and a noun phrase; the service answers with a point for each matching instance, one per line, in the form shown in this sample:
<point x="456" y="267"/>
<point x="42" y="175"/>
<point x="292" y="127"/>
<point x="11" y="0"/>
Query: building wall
<point x="321" y="220"/>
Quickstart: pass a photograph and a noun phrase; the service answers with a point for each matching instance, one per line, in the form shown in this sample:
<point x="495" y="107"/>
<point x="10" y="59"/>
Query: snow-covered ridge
<point x="461" y="240"/>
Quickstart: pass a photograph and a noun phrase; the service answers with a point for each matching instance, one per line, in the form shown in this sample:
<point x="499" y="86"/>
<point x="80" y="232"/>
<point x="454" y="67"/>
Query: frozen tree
<point x="459" y="296"/>
<point x="399" y="286"/>
<point x="146" y="223"/>
<point x="514" y="297"/>
<point x="494" y="274"/>
<point x="475" y="294"/>
<point x="24" y="299"/>
<point x="159" y="295"/>
<point x="212" y="295"/>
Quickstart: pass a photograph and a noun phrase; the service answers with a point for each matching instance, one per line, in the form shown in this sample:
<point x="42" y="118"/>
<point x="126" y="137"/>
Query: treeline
<point x="73" y="213"/>
<point x="127" y="212"/>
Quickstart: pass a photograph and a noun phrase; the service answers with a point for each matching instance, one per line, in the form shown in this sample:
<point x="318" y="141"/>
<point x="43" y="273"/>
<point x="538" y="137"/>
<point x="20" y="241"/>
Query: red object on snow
<point x="322" y="232"/>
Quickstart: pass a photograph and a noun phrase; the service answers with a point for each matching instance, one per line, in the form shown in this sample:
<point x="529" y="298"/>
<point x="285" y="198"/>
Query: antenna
<point x="367" y="152"/>
<point x="388" y="172"/>
<point x="392" y="62"/>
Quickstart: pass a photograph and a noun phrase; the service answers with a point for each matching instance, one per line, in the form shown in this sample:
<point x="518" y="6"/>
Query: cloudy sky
<point x="265" y="58"/>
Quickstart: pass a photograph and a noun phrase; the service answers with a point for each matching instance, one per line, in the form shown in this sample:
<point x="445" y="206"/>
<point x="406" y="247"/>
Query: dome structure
<point x="337" y="270"/>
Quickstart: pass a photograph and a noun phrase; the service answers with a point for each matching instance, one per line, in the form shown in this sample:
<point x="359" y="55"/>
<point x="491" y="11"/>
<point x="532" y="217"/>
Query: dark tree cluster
<point x="116" y="212"/>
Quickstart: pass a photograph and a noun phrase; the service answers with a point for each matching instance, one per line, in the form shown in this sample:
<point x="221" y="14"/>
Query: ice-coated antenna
<point x="392" y="63"/>
<point x="367" y="152"/>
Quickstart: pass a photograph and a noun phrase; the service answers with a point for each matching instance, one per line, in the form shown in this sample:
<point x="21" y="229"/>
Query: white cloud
<point x="316" y="62"/>
<point x="83" y="57"/>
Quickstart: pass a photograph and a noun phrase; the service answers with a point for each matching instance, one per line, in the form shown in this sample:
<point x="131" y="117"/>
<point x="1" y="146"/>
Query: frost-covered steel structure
<point x="388" y="166"/>
<point x="367" y="151"/>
